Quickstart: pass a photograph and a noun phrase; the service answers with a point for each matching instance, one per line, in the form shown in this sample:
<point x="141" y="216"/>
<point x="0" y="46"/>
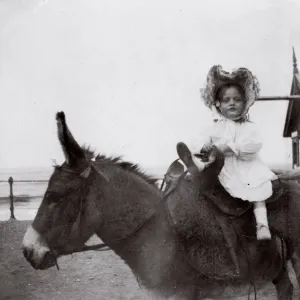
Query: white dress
<point x="243" y="175"/>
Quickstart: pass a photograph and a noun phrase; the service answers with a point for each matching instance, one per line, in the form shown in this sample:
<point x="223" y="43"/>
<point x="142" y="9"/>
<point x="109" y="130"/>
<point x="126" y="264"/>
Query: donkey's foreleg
<point x="296" y="265"/>
<point x="284" y="287"/>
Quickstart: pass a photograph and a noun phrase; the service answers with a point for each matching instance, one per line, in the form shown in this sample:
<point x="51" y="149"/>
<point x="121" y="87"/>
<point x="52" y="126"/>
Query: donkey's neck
<point x="122" y="204"/>
<point x="151" y="252"/>
<point x="121" y="208"/>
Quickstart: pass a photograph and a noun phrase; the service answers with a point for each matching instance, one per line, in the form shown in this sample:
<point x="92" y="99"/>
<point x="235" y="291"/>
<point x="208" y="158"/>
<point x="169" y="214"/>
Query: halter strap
<point x="86" y="173"/>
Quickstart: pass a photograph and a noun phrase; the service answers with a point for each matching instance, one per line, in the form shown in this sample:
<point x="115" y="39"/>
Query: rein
<point x="152" y="213"/>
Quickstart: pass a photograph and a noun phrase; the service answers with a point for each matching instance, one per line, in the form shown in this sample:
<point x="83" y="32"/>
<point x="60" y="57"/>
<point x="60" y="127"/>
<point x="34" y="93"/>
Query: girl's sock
<point x="261" y="215"/>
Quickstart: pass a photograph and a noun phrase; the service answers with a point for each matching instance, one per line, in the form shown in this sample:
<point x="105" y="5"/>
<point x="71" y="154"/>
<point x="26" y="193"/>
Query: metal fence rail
<point x="11" y="181"/>
<point x="278" y="98"/>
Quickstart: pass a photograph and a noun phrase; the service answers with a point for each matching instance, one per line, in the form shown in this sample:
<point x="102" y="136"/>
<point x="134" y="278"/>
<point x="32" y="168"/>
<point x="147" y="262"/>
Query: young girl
<point x="243" y="175"/>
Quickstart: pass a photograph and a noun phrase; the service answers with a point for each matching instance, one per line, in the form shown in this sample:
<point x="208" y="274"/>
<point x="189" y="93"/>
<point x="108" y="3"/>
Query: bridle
<point x="85" y="174"/>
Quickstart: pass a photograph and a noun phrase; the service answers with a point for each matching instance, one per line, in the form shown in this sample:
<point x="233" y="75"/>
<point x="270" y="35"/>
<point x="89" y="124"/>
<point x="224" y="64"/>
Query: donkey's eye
<point x="50" y="196"/>
<point x="52" y="205"/>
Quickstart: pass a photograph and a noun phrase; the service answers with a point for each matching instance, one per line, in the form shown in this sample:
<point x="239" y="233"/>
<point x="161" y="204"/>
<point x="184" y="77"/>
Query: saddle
<point x="233" y="207"/>
<point x="232" y="214"/>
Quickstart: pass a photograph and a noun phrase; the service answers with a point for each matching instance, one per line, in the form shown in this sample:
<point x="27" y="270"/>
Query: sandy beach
<point x="88" y="275"/>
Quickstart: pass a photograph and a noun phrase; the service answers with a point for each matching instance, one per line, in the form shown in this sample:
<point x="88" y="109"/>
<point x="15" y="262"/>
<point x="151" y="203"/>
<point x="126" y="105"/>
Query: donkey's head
<point x="56" y="226"/>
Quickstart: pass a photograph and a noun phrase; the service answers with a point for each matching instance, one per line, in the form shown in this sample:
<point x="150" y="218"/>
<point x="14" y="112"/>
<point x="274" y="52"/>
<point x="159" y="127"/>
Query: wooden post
<point x="11" y="181"/>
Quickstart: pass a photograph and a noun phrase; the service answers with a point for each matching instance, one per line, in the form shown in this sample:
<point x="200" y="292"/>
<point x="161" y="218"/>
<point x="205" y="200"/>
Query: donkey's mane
<point x="125" y="165"/>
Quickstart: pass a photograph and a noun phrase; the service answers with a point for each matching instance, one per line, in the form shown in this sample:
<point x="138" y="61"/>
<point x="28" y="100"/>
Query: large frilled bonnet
<point x="217" y="77"/>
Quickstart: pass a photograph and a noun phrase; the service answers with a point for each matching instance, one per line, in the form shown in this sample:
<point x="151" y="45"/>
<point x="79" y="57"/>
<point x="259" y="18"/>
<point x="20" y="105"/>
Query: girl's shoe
<point x="187" y="158"/>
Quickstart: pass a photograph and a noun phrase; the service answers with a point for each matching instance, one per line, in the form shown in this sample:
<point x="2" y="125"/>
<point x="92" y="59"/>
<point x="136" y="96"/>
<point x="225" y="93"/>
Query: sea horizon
<point x="44" y="173"/>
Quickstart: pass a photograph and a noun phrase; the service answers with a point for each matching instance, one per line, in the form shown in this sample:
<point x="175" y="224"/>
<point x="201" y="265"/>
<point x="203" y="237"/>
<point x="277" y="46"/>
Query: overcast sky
<point x="128" y="73"/>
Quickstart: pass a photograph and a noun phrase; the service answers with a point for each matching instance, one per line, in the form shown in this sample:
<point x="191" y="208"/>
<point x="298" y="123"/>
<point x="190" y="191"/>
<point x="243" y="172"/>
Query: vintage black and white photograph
<point x="149" y="150"/>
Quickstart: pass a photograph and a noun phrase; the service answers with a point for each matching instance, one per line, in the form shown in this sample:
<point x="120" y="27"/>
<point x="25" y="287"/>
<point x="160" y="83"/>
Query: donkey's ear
<point x="73" y="152"/>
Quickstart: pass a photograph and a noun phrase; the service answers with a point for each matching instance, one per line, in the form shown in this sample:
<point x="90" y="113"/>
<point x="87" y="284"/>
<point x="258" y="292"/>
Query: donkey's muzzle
<point x="48" y="260"/>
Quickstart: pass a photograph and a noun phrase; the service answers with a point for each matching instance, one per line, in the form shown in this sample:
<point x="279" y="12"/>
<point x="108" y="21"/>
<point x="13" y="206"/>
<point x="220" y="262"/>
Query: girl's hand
<point x="207" y="148"/>
<point x="225" y="149"/>
<point x="206" y="151"/>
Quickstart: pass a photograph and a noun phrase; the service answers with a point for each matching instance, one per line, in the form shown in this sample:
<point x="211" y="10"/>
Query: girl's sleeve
<point x="248" y="145"/>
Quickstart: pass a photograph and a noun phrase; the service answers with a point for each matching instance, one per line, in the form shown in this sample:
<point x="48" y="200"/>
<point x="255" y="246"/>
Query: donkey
<point x="172" y="242"/>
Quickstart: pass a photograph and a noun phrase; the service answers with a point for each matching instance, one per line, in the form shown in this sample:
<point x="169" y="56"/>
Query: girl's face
<point x="232" y="103"/>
